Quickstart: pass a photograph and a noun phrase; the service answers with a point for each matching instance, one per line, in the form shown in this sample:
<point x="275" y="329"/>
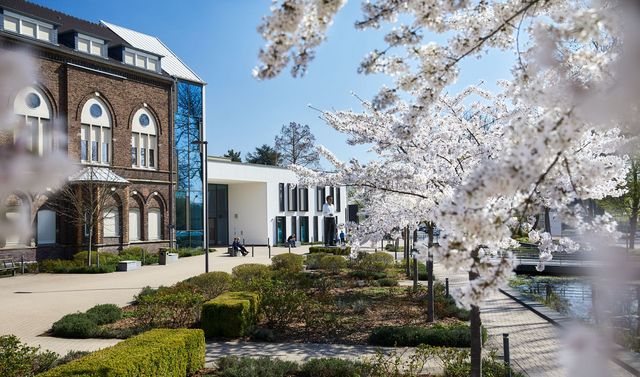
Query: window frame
<point x="53" y="32"/>
<point x="103" y="137"/>
<point x="91" y="41"/>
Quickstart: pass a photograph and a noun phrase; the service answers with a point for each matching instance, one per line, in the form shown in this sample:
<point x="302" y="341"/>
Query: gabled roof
<point x="170" y="62"/>
<point x="97" y="174"/>
<point x="64" y="21"/>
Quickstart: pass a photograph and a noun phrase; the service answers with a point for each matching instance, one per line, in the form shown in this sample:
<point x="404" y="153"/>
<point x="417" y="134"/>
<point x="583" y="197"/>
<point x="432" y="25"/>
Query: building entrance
<point x="218" y="215"/>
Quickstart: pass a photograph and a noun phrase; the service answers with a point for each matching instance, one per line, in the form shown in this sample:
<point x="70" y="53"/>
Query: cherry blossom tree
<point x="479" y="165"/>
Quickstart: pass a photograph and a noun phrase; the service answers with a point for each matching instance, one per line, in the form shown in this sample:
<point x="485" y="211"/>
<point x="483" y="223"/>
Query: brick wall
<point x="68" y="88"/>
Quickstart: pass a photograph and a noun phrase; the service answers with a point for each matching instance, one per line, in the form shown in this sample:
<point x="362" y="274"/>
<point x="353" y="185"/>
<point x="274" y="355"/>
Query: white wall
<point x="254" y="196"/>
<point x="247" y="211"/>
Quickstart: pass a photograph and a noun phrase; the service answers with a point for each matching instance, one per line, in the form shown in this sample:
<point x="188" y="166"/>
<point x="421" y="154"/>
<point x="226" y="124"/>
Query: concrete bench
<point x="168" y="258"/>
<point x="128" y="265"/>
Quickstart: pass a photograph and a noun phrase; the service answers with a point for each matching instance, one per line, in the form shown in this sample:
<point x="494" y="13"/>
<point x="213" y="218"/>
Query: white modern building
<point x="262" y="203"/>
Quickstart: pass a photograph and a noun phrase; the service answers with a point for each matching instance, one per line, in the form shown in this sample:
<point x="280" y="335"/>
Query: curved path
<point x="30" y="303"/>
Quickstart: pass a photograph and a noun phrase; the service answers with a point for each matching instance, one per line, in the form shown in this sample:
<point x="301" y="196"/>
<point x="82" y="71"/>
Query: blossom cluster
<point x="480" y="165"/>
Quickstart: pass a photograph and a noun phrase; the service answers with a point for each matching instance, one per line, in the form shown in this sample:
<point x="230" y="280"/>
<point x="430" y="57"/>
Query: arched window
<point x="155" y="224"/>
<point x="32" y="105"/>
<point x="144" y="143"/>
<point x="134" y="224"/>
<point x="111" y="222"/>
<point x="95" y="135"/>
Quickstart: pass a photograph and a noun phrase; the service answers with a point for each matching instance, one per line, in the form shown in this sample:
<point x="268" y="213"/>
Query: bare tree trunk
<point x="90" y="239"/>
<point x="430" y="293"/>
<point x="475" y="327"/>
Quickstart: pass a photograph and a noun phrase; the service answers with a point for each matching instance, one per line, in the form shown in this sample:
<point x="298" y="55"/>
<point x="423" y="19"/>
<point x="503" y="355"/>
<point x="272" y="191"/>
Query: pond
<point x="573" y="297"/>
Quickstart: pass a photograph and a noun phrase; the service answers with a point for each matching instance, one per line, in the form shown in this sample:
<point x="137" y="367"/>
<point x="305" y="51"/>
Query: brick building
<point x="119" y="102"/>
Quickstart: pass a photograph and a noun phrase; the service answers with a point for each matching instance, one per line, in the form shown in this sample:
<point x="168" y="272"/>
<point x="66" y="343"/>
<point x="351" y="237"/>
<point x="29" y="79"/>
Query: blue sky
<point x="218" y="39"/>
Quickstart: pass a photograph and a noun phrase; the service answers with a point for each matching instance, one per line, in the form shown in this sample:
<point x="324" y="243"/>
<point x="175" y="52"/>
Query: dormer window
<point x="141" y="60"/>
<point x="28" y="27"/>
<point x="91" y="45"/>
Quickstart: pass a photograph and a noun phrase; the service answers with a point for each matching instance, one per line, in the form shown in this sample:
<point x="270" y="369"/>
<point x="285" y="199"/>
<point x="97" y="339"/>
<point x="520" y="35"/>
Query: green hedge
<point x="330" y="250"/>
<point x="86" y="325"/>
<point x="332" y="263"/>
<point x="287" y="263"/>
<point x="411" y="336"/>
<point x="160" y="352"/>
<point x="230" y="315"/>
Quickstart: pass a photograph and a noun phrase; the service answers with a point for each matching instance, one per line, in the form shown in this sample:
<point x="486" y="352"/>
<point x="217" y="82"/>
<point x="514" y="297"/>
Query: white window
<point x="129" y="58"/>
<point x="32" y="106"/>
<point x="83" y="45"/>
<point x="152" y="64"/>
<point x="11" y="23"/>
<point x="134" y="224"/>
<point x="28" y="27"/>
<point x="14" y="215"/>
<point x="141" y="60"/>
<point x="90" y="45"/>
<point x="95" y="133"/>
<point x="144" y="144"/>
<point x="45" y="33"/>
<point x="154" y="224"/>
<point x="111" y="222"/>
<point x="46" y="227"/>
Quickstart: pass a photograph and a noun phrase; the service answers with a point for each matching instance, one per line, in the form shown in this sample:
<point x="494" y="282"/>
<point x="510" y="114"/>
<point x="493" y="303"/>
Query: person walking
<point x="328" y="211"/>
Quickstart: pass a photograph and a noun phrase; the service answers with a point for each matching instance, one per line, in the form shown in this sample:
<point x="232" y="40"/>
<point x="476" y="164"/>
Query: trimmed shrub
<point x="106" y="258"/>
<point x="359" y="274"/>
<point x="211" y="284"/>
<point x="160" y="352"/>
<point x="62" y="266"/>
<point x="70" y="356"/>
<point x="145" y="291"/>
<point x="251" y="271"/>
<point x="445" y="306"/>
<point x="330" y="250"/>
<point x="411" y="336"/>
<point x="138" y="253"/>
<point x="374" y="262"/>
<point x="76" y="325"/>
<point x="281" y="303"/>
<point x="287" y="263"/>
<point x="387" y="282"/>
<point x="173" y="307"/>
<point x="230" y="315"/>
<point x="105" y="313"/>
<point x="332" y="263"/>
<point x="333" y="367"/>
<point x="233" y="366"/>
<point x="185" y="252"/>
<point x="19" y="360"/>
<point x="313" y="260"/>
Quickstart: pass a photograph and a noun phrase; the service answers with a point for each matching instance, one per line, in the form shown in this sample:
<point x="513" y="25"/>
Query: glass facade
<point x="189" y="190"/>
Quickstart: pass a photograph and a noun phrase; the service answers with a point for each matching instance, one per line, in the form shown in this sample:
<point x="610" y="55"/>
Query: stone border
<point x="628" y="360"/>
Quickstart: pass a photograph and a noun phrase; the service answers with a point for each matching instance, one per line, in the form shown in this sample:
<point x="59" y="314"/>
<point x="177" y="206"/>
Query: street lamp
<point x="204" y="201"/>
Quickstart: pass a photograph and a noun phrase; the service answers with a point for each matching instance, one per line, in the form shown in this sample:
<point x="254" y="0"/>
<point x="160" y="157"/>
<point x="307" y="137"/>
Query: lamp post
<point x="205" y="201"/>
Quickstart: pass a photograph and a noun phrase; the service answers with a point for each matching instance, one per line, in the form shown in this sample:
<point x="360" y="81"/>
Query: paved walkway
<point x="29" y="304"/>
<point x="535" y="344"/>
<point x="301" y="352"/>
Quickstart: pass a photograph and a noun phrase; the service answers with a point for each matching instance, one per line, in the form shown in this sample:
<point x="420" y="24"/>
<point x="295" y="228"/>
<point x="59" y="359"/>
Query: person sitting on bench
<point x="291" y="241"/>
<point x="238" y="246"/>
